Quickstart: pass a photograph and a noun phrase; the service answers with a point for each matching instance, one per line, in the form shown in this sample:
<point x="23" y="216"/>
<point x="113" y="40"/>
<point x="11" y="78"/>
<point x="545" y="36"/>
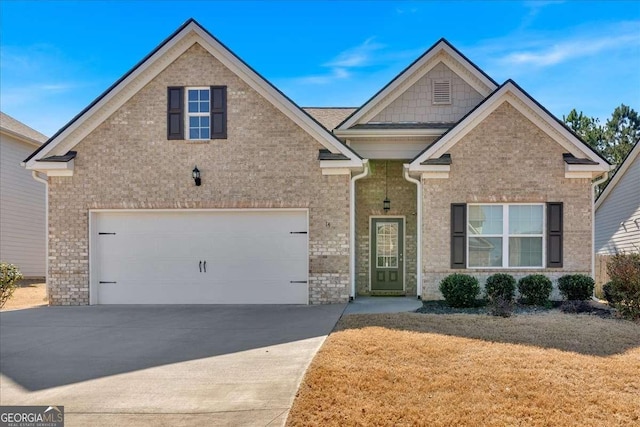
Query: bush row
<point x="462" y="290"/>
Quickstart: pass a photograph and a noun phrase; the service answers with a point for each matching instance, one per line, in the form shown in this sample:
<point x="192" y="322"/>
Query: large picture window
<point x="503" y="236"/>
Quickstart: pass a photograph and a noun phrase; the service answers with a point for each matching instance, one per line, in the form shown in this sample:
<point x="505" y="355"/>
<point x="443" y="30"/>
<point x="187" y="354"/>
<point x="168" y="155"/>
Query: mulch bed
<point x="592" y="308"/>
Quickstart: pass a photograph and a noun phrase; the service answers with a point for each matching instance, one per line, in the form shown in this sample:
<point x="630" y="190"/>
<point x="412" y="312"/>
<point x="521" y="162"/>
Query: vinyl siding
<point x="22" y="210"/>
<point x="416" y="103"/>
<point x="618" y="217"/>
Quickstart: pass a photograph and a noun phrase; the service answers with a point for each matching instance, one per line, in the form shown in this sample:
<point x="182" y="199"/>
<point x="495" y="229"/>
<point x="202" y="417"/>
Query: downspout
<point x="418" y="183"/>
<point x="35" y="176"/>
<point x="352" y="226"/>
<point x="593" y="221"/>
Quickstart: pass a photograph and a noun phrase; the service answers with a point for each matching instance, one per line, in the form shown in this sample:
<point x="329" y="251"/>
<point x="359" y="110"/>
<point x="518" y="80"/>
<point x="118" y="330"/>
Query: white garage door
<point x="199" y="257"/>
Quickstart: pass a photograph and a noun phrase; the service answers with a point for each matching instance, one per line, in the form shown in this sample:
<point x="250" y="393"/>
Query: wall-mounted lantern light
<point x="386" y="204"/>
<point x="196" y="176"/>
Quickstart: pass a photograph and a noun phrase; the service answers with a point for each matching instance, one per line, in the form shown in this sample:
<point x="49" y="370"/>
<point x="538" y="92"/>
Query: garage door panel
<point x="230" y="292"/>
<point x="154" y="257"/>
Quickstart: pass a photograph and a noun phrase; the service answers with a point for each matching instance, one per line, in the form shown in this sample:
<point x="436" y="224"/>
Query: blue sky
<point x="57" y="56"/>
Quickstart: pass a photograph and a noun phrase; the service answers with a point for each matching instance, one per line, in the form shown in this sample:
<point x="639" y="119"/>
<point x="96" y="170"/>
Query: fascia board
<point x="64" y="142"/>
<point x="431" y="168"/>
<point x="387" y="133"/>
<point x="586" y="168"/>
<point x="54" y="168"/>
<point x="20" y="137"/>
<point x="339" y="164"/>
<point x="619" y="174"/>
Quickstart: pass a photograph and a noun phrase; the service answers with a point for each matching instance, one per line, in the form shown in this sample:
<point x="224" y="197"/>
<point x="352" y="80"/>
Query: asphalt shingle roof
<point x="329" y="117"/>
<point x="12" y="125"/>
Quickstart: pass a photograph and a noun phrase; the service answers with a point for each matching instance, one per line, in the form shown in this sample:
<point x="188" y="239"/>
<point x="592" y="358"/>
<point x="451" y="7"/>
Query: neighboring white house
<point x="22" y="200"/>
<point x="617" y="210"/>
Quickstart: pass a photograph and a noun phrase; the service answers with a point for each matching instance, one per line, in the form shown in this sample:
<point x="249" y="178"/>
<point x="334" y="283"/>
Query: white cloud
<point x="339" y="67"/>
<point x="32" y="94"/>
<point x="545" y="55"/>
<point x="323" y="79"/>
<point x="402" y="11"/>
<point x="534" y="8"/>
<point x="358" y="56"/>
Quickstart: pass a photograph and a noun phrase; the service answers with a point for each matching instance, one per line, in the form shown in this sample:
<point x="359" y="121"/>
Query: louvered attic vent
<point x="441" y="92"/>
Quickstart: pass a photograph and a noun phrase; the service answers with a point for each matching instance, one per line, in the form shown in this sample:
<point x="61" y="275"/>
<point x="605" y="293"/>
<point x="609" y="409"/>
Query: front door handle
<point x="200" y="266"/>
<point x="205" y="266"/>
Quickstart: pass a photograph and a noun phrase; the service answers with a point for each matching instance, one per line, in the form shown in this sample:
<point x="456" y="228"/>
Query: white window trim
<point x="505" y="237"/>
<point x="187" y="114"/>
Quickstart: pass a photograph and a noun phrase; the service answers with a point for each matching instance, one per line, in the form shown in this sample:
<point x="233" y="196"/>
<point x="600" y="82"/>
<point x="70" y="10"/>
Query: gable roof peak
<point x="132" y="81"/>
<point x="526" y="105"/>
<point x="476" y="77"/>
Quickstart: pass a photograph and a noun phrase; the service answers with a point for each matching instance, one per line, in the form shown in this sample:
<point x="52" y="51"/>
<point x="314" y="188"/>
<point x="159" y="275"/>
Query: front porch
<point x="385" y="238"/>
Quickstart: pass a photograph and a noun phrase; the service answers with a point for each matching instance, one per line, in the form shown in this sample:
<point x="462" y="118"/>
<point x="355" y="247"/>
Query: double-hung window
<point x="505" y="236"/>
<point x="198" y="113"/>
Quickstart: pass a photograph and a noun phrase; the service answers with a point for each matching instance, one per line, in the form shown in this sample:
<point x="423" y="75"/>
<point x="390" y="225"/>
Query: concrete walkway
<point x="161" y="365"/>
<point x="362" y="305"/>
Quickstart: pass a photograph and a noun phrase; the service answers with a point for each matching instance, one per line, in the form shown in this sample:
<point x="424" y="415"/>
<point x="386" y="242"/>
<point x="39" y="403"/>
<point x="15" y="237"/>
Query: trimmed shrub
<point x="500" y="289"/>
<point x="623" y="291"/>
<point x="460" y="290"/>
<point x="500" y="285"/>
<point x="9" y="277"/>
<point x="535" y="289"/>
<point x="576" y="287"/>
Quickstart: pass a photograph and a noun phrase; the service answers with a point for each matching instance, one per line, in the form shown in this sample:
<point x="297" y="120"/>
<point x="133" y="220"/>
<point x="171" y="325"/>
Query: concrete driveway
<point x="161" y="365"/>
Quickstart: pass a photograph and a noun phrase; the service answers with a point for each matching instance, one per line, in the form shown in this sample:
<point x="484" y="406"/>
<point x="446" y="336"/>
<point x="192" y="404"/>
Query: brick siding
<point x="267" y="161"/>
<point x="505" y="159"/>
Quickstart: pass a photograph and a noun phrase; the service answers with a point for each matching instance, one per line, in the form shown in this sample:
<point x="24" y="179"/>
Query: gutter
<point x="352" y="226"/>
<point x="593" y="221"/>
<point x="35" y="176"/>
<point x="418" y="183"/>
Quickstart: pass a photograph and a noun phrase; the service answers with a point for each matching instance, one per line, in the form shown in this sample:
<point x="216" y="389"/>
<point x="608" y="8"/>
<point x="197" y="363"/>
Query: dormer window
<point x="441" y="90"/>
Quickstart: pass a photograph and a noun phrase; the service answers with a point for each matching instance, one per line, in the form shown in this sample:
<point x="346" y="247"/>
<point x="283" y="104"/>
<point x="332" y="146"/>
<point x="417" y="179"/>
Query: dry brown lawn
<point x="27" y="297"/>
<point x="473" y="370"/>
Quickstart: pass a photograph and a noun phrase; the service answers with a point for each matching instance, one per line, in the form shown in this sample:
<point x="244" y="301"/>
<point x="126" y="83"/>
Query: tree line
<point x="613" y="139"/>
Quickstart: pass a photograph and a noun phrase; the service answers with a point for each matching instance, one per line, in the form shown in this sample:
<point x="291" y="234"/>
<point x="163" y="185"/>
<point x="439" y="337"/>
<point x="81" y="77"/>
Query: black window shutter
<point x="458" y="235"/>
<point x="218" y="112"/>
<point x="175" y="113"/>
<point x="554" y="235"/>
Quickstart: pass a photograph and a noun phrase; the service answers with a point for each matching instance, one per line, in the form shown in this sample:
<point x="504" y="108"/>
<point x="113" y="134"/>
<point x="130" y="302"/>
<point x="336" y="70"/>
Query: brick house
<point x="194" y="180"/>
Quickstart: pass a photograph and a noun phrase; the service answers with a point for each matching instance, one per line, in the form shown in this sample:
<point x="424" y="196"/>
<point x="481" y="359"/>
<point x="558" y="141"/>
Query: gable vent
<point x="441" y="91"/>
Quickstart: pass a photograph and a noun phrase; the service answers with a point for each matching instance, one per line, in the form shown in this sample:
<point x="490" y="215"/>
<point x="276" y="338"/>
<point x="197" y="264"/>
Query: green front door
<point x="387" y="246"/>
